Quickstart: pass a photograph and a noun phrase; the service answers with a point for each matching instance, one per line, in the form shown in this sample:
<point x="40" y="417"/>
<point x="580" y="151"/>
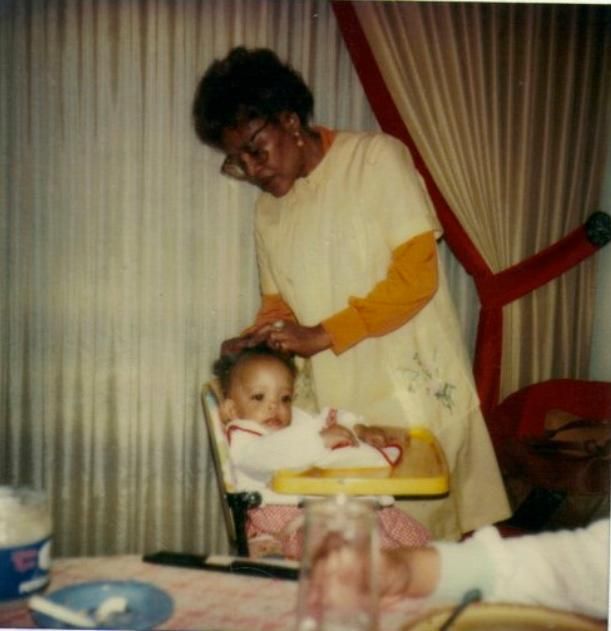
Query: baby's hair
<point x="225" y="366"/>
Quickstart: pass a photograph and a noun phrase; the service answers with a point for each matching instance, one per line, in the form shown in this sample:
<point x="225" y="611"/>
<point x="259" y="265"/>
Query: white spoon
<point x="61" y="612"/>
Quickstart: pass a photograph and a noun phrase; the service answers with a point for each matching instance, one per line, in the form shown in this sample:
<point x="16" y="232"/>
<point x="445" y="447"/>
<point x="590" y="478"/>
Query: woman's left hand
<point x="291" y="337"/>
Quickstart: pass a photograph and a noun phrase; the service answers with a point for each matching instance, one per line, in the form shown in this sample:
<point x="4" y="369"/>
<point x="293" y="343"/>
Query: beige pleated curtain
<point x="507" y="105"/>
<point x="126" y="258"/>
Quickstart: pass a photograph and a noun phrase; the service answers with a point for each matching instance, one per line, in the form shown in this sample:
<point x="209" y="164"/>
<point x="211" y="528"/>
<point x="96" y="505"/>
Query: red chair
<point x="549" y="477"/>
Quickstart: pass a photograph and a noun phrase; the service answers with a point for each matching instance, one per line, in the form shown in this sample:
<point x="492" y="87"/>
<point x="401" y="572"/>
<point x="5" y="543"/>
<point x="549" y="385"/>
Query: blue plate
<point x="147" y="605"/>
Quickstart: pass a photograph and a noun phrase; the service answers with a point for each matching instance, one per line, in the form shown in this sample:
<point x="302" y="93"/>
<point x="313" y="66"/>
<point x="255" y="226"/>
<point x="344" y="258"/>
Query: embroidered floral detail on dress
<point x="422" y="377"/>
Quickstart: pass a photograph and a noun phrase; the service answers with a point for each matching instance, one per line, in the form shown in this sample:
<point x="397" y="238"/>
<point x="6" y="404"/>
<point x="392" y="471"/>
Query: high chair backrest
<point x="235" y="501"/>
<point x="211" y="399"/>
<point x="234" y="504"/>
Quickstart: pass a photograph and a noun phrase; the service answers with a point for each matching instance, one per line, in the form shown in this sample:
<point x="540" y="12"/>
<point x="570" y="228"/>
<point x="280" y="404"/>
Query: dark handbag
<point x="572" y="454"/>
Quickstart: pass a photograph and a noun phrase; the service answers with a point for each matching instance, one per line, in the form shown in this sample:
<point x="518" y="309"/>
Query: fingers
<point x="235" y="345"/>
<point x="285" y="336"/>
<point x="374" y="436"/>
<point x="338" y="436"/>
<point x="279" y="336"/>
<point x="256" y="338"/>
<point x="277" y="344"/>
<point x="331" y="417"/>
<point x="274" y="335"/>
<point x="376" y="440"/>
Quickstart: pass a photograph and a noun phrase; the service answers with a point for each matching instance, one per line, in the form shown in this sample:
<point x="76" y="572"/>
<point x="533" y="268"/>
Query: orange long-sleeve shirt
<point x="410" y="283"/>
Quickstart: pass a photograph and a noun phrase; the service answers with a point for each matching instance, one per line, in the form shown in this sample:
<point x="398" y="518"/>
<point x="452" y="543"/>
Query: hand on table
<point x="339" y="577"/>
<point x="402" y="572"/>
<point x="408" y="572"/>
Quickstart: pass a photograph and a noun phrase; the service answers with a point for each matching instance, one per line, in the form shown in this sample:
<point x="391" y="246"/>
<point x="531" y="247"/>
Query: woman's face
<point x="270" y="153"/>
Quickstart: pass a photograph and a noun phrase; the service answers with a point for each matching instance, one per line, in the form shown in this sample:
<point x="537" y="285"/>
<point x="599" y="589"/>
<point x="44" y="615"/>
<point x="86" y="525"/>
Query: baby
<point x="266" y="433"/>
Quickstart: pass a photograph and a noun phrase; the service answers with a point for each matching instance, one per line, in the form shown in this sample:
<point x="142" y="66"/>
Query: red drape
<point x="494" y="290"/>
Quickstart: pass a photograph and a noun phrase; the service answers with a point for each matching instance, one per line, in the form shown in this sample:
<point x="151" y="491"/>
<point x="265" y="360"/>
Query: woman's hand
<point x="291" y="337"/>
<point x="236" y="344"/>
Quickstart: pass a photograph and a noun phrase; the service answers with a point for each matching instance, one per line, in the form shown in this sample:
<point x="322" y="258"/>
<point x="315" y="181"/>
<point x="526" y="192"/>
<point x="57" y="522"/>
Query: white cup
<point x="25" y="543"/>
<point x="338" y="587"/>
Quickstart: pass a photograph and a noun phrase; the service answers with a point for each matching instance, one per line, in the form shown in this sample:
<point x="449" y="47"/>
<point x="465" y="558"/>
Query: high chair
<point x="421" y="473"/>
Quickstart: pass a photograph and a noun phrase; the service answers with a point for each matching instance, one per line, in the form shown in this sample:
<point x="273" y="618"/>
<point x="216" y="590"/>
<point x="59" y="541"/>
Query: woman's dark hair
<point x="225" y="366"/>
<point x="245" y="85"/>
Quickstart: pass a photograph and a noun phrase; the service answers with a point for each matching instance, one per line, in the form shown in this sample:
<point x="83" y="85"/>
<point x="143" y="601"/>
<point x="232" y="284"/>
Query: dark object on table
<point x="218" y="563"/>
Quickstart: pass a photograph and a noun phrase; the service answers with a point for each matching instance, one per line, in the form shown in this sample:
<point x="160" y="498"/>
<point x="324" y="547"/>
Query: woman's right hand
<point x="235" y="344"/>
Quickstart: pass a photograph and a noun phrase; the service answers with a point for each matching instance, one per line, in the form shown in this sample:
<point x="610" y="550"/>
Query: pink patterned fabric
<point x="278" y="530"/>
<point x="202" y="599"/>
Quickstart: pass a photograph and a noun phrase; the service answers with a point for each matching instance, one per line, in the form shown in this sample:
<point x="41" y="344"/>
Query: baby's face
<point x="262" y="390"/>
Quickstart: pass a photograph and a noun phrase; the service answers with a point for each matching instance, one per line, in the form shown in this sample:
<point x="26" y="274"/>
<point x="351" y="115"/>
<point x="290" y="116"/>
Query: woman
<point x="346" y="248"/>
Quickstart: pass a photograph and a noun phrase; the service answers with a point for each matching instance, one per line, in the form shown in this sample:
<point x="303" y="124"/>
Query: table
<point x="203" y="600"/>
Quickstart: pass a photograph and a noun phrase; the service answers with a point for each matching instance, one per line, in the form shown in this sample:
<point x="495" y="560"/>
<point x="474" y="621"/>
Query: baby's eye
<point x="259" y="152"/>
<point x="257" y="397"/>
<point x="287" y="398"/>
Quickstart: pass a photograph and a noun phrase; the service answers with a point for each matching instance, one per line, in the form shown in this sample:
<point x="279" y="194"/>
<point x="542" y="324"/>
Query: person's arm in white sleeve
<point x="564" y="569"/>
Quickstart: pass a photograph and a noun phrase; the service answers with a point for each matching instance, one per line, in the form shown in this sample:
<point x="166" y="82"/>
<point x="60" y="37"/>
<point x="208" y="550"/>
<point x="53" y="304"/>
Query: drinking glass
<point x="338" y="578"/>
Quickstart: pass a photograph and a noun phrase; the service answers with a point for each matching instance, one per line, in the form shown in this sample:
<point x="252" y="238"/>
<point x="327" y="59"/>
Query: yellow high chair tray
<point x="506" y="617"/>
<point x="422" y="471"/>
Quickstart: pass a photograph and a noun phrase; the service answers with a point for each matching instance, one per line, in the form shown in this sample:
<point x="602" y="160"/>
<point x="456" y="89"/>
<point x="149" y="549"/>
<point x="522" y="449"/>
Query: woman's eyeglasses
<point x="234" y="166"/>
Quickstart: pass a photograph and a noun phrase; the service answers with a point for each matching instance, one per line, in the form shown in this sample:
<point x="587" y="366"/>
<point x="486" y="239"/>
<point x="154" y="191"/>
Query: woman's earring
<point x="298" y="139"/>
